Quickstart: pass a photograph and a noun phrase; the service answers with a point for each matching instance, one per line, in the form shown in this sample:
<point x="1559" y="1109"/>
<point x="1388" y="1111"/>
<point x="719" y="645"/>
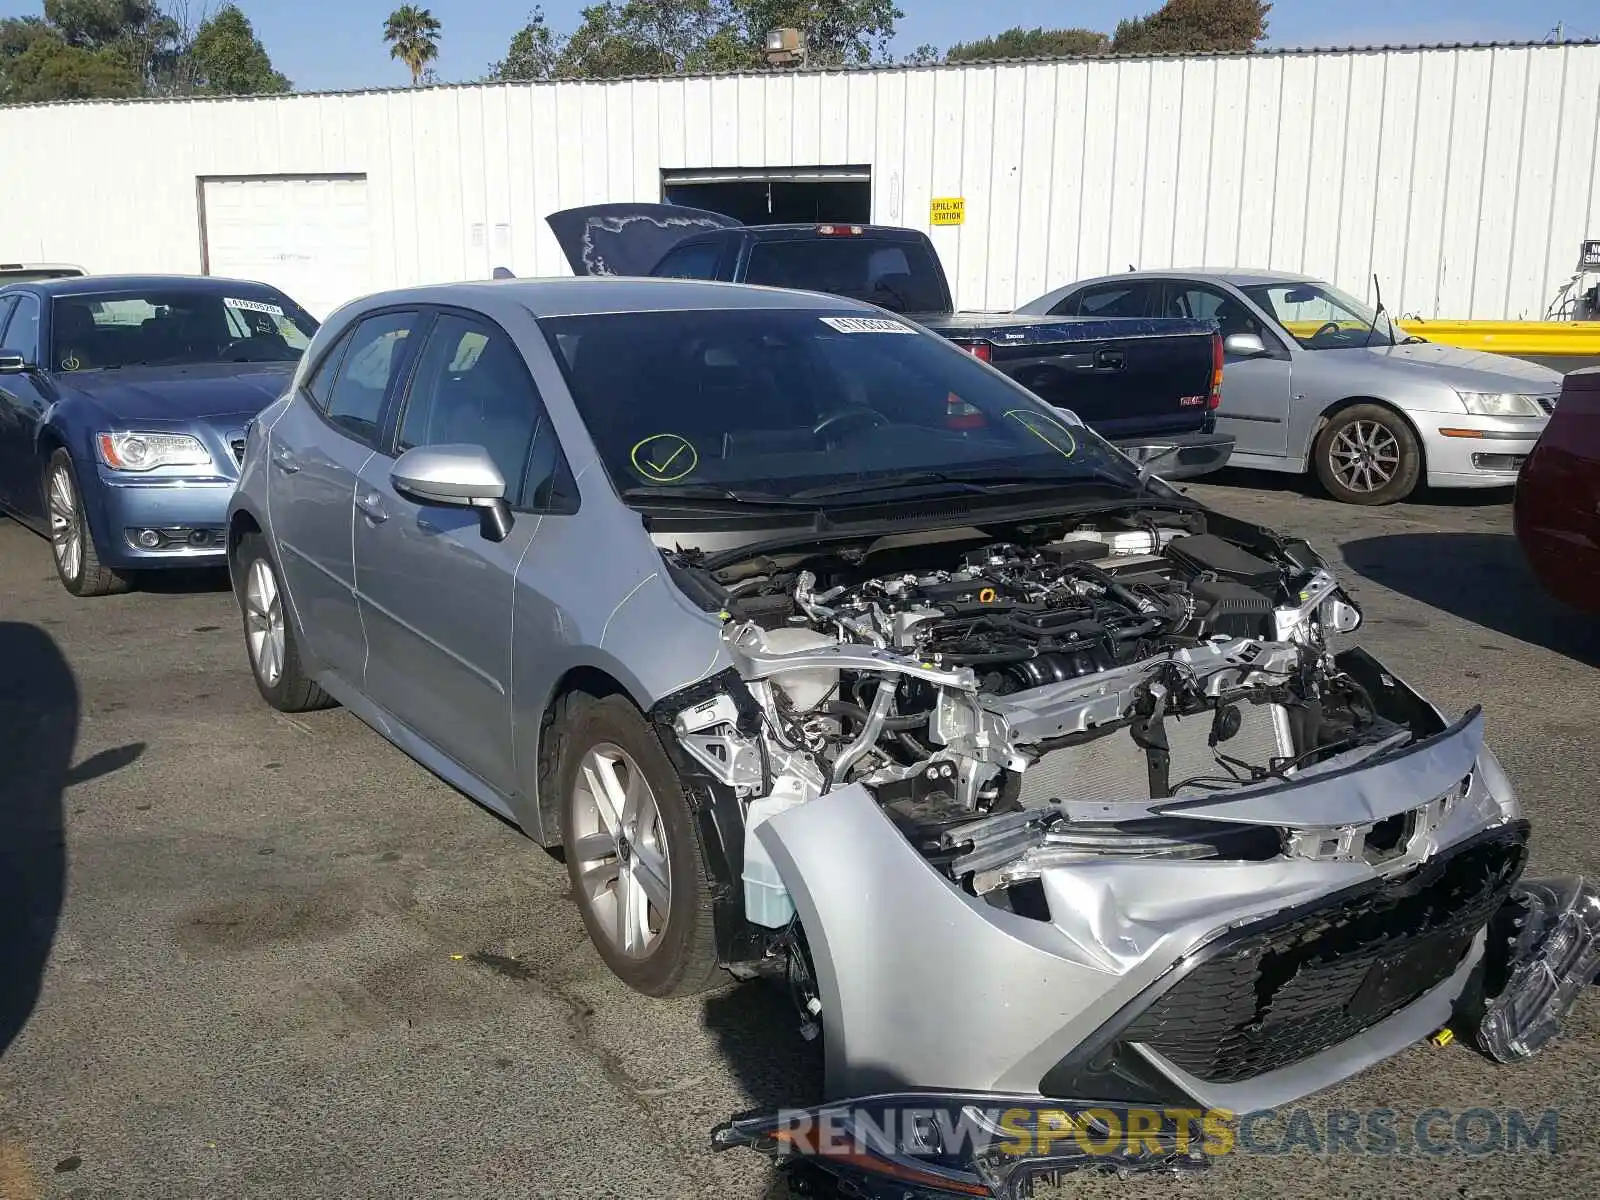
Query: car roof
<point x="1237" y="276"/>
<point x="585" y="295"/>
<point x="78" y="284"/>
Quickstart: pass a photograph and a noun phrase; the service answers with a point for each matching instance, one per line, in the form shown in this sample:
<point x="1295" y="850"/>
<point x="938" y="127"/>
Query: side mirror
<point x="458" y="476"/>
<point x="1244" y="345"/>
<point x="13" y="364"/>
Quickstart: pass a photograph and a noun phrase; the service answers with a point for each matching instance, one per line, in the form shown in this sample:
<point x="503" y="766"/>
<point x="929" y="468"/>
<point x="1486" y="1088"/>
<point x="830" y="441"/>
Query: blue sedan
<point x="124" y="402"/>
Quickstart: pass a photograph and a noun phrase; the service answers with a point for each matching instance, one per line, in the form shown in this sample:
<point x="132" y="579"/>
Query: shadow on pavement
<point x="1308" y="486"/>
<point x="758" y="1036"/>
<point x="191" y="582"/>
<point x="1481" y="577"/>
<point x="38" y="724"/>
<point x="39" y="711"/>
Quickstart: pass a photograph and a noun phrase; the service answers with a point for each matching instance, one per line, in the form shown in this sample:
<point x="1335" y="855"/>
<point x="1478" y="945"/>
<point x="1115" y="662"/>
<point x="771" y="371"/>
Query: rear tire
<point x="632" y="853"/>
<point x="1368" y="455"/>
<point x="78" y="564"/>
<point x="269" y="633"/>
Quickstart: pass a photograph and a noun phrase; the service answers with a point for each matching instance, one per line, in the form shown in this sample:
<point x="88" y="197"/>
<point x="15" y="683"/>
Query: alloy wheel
<point x="1364" y="456"/>
<point x="620" y="847"/>
<point x="66" y="533"/>
<point x="263" y="615"/>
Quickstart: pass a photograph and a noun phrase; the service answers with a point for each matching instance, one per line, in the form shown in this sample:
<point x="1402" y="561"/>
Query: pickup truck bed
<point x="1144" y="385"/>
<point x="1150" y="386"/>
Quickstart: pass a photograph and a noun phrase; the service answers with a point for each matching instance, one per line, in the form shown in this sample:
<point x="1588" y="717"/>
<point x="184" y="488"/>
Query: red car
<point x="1556" y="514"/>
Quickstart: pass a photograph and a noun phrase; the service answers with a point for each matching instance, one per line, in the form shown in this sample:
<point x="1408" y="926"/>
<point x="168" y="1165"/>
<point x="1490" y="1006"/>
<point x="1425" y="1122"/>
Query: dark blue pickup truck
<point x="1150" y="386"/>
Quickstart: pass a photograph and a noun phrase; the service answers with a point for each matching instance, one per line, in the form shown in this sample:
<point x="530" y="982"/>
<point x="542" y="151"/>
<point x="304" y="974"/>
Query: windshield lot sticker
<point x="1048" y="430"/>
<point x="664" y="457"/>
<point x="253" y="306"/>
<point x="865" y="325"/>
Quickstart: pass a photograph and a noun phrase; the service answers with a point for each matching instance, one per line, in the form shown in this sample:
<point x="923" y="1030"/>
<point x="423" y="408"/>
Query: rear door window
<point x="1134" y="298"/>
<point x="376" y="353"/>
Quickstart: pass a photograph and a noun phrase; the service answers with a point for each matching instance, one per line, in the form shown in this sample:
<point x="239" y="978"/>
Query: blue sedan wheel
<point x="77" y="562"/>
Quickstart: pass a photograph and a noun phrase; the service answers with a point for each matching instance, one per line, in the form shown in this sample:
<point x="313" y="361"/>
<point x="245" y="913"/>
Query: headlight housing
<point x="136" y="451"/>
<point x="1500" y="404"/>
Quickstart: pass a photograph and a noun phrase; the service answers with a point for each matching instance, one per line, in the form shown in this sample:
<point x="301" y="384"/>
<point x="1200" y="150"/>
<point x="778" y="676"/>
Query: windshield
<point x="784" y="404"/>
<point x="1321" y="317"/>
<point x="901" y="276"/>
<point x="180" y="327"/>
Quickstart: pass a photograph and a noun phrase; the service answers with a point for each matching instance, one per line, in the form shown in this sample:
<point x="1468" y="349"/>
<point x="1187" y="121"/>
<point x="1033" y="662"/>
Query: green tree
<point x="837" y="32"/>
<point x="413" y="37"/>
<point x="82" y="49"/>
<point x="534" y="51"/>
<point x="1186" y="26"/>
<point x="925" y="55"/>
<point x="1031" y="43"/>
<point x="651" y="37"/>
<point x="666" y="37"/>
<point x="228" y="59"/>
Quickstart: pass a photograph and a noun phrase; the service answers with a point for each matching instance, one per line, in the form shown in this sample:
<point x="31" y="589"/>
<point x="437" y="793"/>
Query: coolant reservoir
<point x="809" y="688"/>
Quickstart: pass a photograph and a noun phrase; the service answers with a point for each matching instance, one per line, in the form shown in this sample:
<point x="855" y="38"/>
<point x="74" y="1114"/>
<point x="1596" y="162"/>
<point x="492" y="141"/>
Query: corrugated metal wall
<point x="1465" y="177"/>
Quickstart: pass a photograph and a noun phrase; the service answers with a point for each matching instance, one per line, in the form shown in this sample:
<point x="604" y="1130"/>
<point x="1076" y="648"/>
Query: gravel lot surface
<point x="284" y="961"/>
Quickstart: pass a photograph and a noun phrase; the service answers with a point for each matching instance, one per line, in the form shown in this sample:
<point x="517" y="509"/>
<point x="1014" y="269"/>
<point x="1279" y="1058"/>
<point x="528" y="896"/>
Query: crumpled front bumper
<point x="1210" y="980"/>
<point x="924" y="1144"/>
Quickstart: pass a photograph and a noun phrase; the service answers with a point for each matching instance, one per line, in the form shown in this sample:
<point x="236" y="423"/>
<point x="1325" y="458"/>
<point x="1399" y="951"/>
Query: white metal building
<point x="1466" y="177"/>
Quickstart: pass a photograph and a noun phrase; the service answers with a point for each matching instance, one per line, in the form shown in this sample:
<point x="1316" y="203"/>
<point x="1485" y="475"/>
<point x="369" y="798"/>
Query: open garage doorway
<point x="775" y="195"/>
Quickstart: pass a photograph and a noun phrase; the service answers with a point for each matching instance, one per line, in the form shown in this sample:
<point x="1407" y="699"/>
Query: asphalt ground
<point x="284" y="961"/>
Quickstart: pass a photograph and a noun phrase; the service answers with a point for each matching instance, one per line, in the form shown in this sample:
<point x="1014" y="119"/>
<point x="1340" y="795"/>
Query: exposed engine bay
<point x="1013" y="702"/>
<point x="1145" y="784"/>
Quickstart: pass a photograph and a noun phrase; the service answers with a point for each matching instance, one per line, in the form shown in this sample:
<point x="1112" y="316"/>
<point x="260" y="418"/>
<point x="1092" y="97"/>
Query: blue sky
<point x="332" y="45"/>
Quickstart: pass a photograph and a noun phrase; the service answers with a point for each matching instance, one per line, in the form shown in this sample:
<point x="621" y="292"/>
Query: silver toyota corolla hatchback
<point x="825" y="650"/>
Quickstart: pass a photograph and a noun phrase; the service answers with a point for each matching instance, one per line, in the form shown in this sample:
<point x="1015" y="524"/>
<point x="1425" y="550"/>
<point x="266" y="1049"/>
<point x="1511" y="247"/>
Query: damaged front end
<point x="1095" y="814"/>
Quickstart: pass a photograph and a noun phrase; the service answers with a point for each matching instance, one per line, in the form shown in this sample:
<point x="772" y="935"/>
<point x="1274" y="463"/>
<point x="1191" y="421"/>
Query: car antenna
<point x="1378" y="311"/>
<point x="503" y="273"/>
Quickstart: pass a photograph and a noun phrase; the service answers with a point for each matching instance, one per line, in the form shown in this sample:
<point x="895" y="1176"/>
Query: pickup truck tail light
<point x="979" y="350"/>
<point x="1215" y="399"/>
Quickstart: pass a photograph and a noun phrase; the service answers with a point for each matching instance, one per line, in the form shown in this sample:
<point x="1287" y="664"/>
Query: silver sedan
<point x="1317" y="380"/>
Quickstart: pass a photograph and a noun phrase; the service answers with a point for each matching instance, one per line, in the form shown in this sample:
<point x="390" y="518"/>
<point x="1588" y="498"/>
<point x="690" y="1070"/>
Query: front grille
<point x="1280" y="991"/>
<point x="236" y="444"/>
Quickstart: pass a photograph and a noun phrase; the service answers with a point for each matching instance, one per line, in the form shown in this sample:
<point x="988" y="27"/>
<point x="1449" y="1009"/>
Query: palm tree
<point x="413" y="37"/>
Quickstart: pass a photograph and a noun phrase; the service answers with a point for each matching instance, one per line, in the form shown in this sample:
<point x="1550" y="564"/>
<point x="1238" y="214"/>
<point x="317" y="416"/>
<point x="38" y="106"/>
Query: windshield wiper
<point x="980" y="484"/>
<point x="710" y="492"/>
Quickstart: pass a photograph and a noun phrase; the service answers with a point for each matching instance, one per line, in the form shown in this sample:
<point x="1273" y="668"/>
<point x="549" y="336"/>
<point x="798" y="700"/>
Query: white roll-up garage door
<point x="307" y="235"/>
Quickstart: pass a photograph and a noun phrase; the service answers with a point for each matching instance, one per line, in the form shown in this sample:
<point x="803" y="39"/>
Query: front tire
<point x="78" y="564"/>
<point x="1368" y="455"/>
<point x="631" y="850"/>
<point x="269" y="634"/>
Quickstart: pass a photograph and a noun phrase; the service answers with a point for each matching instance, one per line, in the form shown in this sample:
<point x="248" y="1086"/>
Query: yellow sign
<point x="947" y="210"/>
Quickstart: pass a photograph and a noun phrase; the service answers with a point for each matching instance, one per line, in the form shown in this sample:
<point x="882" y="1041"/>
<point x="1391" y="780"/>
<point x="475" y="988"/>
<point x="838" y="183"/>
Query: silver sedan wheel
<point x="263" y="622"/>
<point x="621" y="849"/>
<point x="66" y="533"/>
<point x="1364" y="456"/>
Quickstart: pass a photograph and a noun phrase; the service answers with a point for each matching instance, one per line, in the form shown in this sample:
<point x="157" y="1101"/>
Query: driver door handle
<point x="371" y="504"/>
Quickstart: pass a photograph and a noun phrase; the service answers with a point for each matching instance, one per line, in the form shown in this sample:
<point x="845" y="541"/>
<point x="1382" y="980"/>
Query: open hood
<point x="627" y="239"/>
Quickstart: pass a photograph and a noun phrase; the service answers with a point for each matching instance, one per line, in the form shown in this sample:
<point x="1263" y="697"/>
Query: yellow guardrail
<point x="1553" y="338"/>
